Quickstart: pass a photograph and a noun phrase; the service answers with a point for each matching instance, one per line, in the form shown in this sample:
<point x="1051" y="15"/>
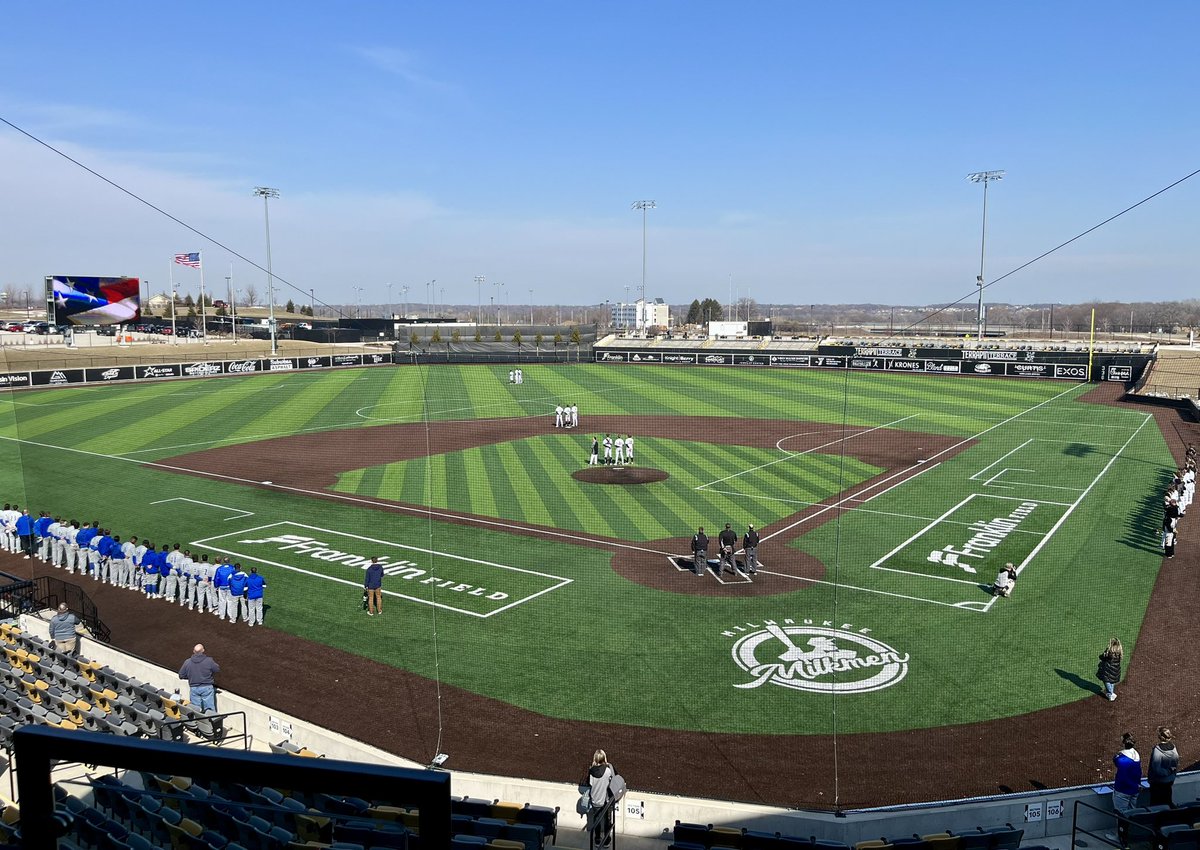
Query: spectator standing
<point x="1128" y="781"/>
<point x="750" y="546"/>
<point x="254" y="597"/>
<point x="201" y="672"/>
<point x="373" y="584"/>
<point x="597" y="780"/>
<point x="700" y="551"/>
<point x="1164" y="764"/>
<point x="1108" y="670"/>
<point x="64" y="631"/>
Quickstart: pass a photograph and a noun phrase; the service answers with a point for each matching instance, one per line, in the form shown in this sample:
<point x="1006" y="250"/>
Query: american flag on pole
<point x="191" y="260"/>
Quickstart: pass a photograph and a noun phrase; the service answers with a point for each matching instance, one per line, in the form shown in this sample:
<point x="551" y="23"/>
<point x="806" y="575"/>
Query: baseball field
<point x="886" y="505"/>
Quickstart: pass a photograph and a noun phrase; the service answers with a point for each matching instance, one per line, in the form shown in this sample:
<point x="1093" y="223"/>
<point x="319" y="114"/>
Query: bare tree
<point x="251" y="295"/>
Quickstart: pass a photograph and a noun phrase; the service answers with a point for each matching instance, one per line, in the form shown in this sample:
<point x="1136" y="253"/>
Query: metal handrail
<point x="219" y="737"/>
<point x="1120" y="824"/>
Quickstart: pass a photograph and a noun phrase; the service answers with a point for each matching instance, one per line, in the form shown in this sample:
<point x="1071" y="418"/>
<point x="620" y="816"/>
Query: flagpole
<point x="203" y="318"/>
<point x="174" y="336"/>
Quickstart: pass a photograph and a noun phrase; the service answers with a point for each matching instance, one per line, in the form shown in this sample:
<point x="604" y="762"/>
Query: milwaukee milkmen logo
<point x="988" y="534"/>
<point x="815" y="656"/>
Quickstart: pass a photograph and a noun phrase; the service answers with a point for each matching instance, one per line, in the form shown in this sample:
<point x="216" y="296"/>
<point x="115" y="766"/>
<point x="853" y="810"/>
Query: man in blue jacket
<point x="254" y="597"/>
<point x="25" y="533"/>
<point x="83" y="540"/>
<point x="150" y="571"/>
<point x="41" y="533"/>
<point x="221" y="583"/>
<point x="237" y="593"/>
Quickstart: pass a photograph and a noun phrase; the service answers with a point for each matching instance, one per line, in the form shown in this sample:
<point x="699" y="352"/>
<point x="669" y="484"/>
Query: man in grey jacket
<point x="200" y="672"/>
<point x="63" y="630"/>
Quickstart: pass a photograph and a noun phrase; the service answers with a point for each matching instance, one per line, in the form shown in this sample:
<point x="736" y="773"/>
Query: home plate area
<point x="686" y="564"/>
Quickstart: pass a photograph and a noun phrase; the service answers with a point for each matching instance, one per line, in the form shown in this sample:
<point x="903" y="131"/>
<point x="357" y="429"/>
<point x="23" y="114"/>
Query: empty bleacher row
<point x="38" y="684"/>
<point x="692" y="836"/>
<point x="143" y="811"/>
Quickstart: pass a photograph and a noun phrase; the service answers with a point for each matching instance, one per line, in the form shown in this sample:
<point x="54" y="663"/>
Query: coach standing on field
<point x="373" y="584"/>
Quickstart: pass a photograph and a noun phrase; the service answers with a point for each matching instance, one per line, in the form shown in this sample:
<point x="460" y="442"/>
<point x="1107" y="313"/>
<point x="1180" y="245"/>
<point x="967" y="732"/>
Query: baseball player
<point x="750" y="545"/>
<point x="608" y="446"/>
<point x="512" y="376"/>
<point x="629" y="448"/>
<point x="727" y="540"/>
<point x="700" y="551"/>
<point x="187" y="578"/>
<point x="221" y="583"/>
<point x="214" y="597"/>
<point x="202" y="571"/>
<point x="71" y="548"/>
<point x="574" y="416"/>
<point x="595" y="456"/>
<point x="619" y="445"/>
<point x="102" y="543"/>
<point x="171" y="583"/>
<point x="149" y="571"/>
<point x="7" y="518"/>
<point x="136" y="571"/>
<point x="237" y="594"/>
<point x="41" y="534"/>
<point x="520" y="380"/>
<point x="55" y="532"/>
<point x="125" y="565"/>
<point x="254" y="592"/>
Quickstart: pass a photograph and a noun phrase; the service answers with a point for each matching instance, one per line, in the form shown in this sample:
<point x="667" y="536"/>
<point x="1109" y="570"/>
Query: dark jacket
<point x="728" y="537"/>
<point x="199" y="670"/>
<point x="700" y="542"/>
<point x="1109" y="669"/>
<point x="750" y="539"/>
<point x="373" y="578"/>
<point x="1164" y="762"/>
<point x="62" y="626"/>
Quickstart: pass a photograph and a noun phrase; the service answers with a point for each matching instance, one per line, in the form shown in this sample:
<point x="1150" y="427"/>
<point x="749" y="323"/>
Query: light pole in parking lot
<point x="643" y="206"/>
<point x="174" y="333"/>
<point x="266" y="192"/>
<point x="983" y="177"/>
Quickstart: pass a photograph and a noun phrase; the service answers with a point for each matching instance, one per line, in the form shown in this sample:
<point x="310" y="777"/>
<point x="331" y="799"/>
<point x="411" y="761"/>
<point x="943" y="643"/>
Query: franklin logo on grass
<point x="817" y="658"/>
<point x="988" y="535"/>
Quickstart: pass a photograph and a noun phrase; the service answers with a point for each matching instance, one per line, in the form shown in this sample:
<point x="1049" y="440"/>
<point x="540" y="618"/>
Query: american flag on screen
<point x="191" y="260"/>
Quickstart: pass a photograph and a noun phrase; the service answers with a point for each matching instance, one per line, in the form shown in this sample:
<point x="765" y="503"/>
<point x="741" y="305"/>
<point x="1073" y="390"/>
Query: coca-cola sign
<point x="240" y="367"/>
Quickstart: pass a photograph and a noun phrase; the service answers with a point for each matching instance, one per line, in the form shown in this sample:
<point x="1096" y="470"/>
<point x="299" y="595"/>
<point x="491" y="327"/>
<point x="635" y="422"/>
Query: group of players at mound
<point x="726" y="541"/>
<point x="623" y="446"/>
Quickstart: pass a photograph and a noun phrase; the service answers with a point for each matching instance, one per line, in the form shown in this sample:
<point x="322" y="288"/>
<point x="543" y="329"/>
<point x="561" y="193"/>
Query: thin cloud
<point x="399" y="63"/>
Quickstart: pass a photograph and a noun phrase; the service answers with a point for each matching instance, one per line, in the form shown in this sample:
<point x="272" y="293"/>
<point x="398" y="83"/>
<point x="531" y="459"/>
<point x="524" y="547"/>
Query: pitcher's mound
<point x="619" y="474"/>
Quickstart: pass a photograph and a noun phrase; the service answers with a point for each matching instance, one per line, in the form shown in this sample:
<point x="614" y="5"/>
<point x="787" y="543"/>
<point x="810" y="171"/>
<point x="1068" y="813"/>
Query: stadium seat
<point x="506" y="811"/>
<point x="183" y="831"/>
<point x="542" y="816"/>
<point x="942" y="841"/>
<point x="691" y="833"/>
<point x="686" y="845"/>
<point x="528" y="834"/>
<point x="822" y="844"/>
<point x="725" y="836"/>
<point x="489" y="827"/>
<point x="753" y="839"/>
<point x="471" y="807"/>
<point x="1005" y="837"/>
<point x="1180" y="837"/>
<point x="974" y="839"/>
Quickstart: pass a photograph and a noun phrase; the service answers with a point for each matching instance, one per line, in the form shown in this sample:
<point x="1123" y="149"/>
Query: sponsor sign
<point x="829" y="362"/>
<point x="1078" y="373"/>
<point x="466" y="585"/>
<point x="201" y="370"/>
<point x="751" y="359"/>
<point x="791" y="360"/>
<point x="997" y="354"/>
<point x="56" y="377"/>
<point x="816" y="656"/>
<point x="678" y="358"/>
<point x="1031" y="370"/>
<point x="943" y="366"/>
<point x="345" y="360"/>
<point x="984" y="369"/>
<point x="612" y="357"/>
<point x="313" y="362"/>
<point x="714" y="359"/>
<point x="164" y="370"/>
<point x="113" y="373"/>
<point x="877" y="351"/>
<point x="240" y="367"/>
<point x="906" y="365"/>
<point x="376" y="359"/>
<point x="866" y="362"/>
<point x="645" y="357"/>
<point x="279" y="364"/>
<point x="1120" y="373"/>
<point x="14" y="379"/>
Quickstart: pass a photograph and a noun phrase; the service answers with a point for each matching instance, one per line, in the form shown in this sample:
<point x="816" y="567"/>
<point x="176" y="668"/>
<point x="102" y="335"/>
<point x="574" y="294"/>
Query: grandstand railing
<point x="1129" y="834"/>
<point x="39" y="747"/>
<point x="28" y="596"/>
<point x="211" y="729"/>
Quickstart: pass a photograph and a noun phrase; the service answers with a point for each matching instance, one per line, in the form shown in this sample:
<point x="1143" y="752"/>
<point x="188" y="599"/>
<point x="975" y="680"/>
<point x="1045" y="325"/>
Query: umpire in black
<point x="727" y="540"/>
<point x="750" y="545"/>
<point x="700" y="551"/>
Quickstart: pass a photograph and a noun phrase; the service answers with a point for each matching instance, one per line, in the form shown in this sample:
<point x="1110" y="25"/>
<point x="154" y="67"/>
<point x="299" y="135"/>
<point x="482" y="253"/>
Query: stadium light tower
<point x="983" y="177"/>
<point x="266" y="192"/>
<point x="643" y="206"/>
<point x="479" y="281"/>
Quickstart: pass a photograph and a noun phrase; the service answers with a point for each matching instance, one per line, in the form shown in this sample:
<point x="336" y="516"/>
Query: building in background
<point x="640" y="315"/>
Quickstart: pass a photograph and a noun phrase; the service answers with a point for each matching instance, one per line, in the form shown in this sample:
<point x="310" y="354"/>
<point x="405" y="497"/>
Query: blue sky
<point x="810" y="152"/>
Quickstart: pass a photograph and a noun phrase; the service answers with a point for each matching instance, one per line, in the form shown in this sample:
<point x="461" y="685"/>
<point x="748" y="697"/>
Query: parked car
<point x="15" y="327"/>
<point x="106" y="330"/>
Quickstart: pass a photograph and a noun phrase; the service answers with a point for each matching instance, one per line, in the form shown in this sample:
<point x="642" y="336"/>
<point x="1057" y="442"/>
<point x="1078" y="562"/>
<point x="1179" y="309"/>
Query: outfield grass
<point x="567" y="620"/>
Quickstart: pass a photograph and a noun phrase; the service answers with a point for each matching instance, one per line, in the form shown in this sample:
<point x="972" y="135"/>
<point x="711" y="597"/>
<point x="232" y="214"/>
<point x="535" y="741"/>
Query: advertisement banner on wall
<point x="829" y="362"/>
<point x="14" y="379"/>
<point x="645" y="357"/>
<point x="113" y="373"/>
<point x="751" y="360"/>
<point x="906" y="365"/>
<point x="240" y="367"/>
<point x="56" y="377"/>
<point x="376" y="359"/>
<point x="156" y="370"/>
<point x="1120" y="373"/>
<point x="944" y="366"/>
<point x="205" y="369"/>
<point x="278" y="364"/>
<point x="313" y="362"/>
<point x="714" y="359"/>
<point x="1031" y="370"/>
<point x="1078" y="373"/>
<point x="346" y="360"/>
<point x="679" y="358"/>
<point x="791" y="360"/>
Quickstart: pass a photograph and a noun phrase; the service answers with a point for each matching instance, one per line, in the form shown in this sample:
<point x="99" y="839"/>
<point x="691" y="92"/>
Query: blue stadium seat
<point x="542" y="816"/>
<point x="471" y="807"/>
<point x="1180" y="837"/>
<point x="691" y="833"/>
<point x="753" y="839"/>
<point x="528" y="834"/>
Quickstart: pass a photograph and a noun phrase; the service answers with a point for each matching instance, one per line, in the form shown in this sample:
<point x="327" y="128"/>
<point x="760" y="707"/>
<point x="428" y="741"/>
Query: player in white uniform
<point x="71" y="548"/>
<point x="512" y="376"/>
<point x="171" y="583"/>
<point x="629" y="448"/>
<point x="608" y="443"/>
<point x="135" y="566"/>
<point x="574" y="416"/>
<point x="187" y="579"/>
<point x="520" y="380"/>
<point x="619" y="446"/>
<point x="125" y="565"/>
<point x="558" y="416"/>
<point x="54" y="530"/>
<point x="8" y="528"/>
